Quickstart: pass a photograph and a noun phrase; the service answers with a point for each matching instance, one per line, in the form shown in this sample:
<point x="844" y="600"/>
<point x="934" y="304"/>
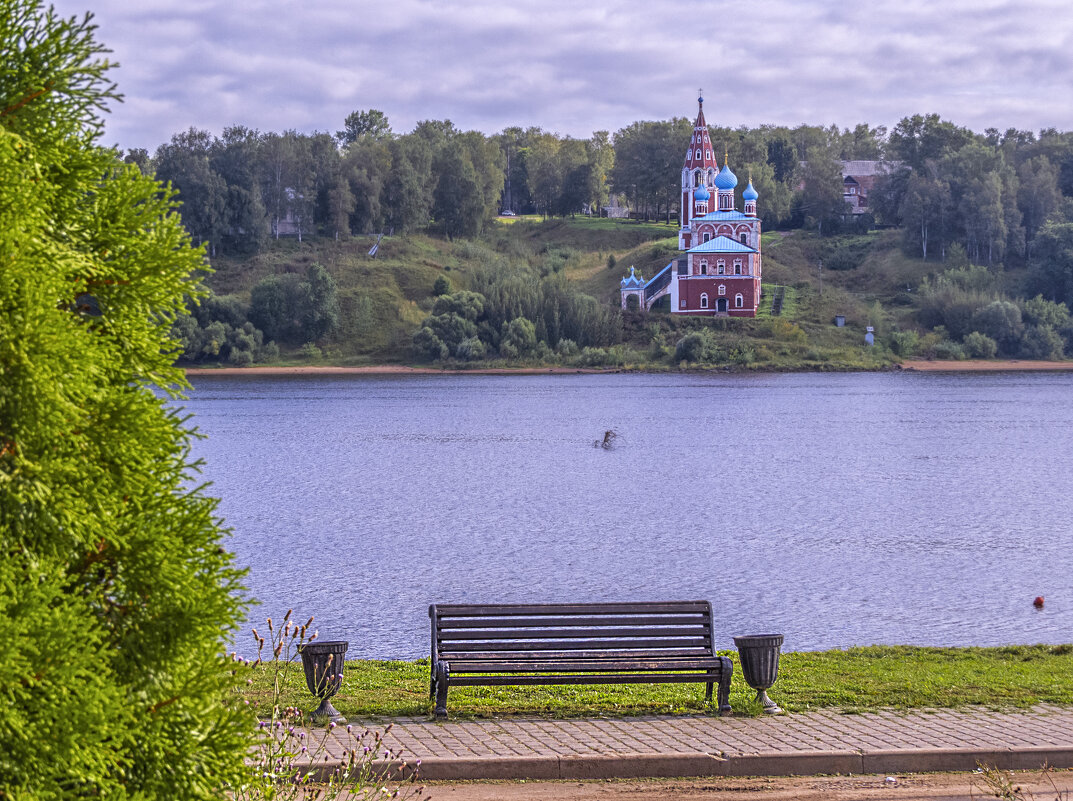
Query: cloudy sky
<point x="575" y="66"/>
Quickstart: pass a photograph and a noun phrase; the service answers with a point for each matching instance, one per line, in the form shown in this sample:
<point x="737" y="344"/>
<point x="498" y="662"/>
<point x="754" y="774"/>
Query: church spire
<point x="700" y="155"/>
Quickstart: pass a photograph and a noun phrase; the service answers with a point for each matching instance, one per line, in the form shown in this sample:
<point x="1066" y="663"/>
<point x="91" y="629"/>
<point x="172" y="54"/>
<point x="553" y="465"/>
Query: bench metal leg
<point x="724" y="686"/>
<point x="708" y="693"/>
<point x="443" y="672"/>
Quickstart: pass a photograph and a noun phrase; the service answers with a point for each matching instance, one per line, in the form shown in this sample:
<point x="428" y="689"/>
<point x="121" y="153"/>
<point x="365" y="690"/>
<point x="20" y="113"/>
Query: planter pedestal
<point x="323" y="663"/>
<point x="760" y="665"/>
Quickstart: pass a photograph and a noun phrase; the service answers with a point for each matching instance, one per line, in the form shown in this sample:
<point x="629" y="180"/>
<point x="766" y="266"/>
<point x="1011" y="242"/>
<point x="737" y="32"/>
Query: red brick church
<point x="718" y="271"/>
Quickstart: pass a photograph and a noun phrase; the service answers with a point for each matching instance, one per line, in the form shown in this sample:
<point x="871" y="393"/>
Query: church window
<point x="722" y="289"/>
<point x="698" y="154"/>
<point x="739" y="301"/>
<point x="709" y="153"/>
<point x="704" y="300"/>
<point x="745" y="239"/>
<point x="696" y="178"/>
<point x="682" y="303"/>
<point x="704" y="268"/>
<point x="721" y="267"/>
<point x="707" y="237"/>
<point x="737" y="267"/>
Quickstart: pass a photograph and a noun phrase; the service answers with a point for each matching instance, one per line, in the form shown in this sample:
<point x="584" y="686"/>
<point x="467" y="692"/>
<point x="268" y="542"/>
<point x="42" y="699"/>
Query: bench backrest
<point x="498" y="631"/>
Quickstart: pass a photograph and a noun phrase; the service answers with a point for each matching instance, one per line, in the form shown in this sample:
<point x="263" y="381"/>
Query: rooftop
<point x="722" y="244"/>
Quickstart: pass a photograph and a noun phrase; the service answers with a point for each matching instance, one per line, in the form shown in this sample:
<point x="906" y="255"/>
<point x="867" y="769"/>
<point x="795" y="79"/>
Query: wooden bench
<point x="630" y="643"/>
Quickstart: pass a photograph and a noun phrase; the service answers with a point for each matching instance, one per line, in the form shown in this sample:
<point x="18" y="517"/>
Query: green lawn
<point x="854" y="680"/>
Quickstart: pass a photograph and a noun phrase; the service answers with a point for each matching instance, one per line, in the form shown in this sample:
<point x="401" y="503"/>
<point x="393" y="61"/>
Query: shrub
<point x="945" y="349"/>
<point x="903" y="343"/>
<point x="980" y="346"/>
<point x="470" y="349"/>
<point x="467" y="305"/>
<point x="743" y="354"/>
<point x="1042" y="342"/>
<point x="566" y="347"/>
<point x="1038" y="311"/>
<point x="115" y="590"/>
<point x="442" y="286"/>
<point x="1000" y="320"/>
<point x="217" y="329"/>
<point x="698" y="346"/>
<point x="429" y="346"/>
<point x="290" y="308"/>
<point x="519" y="338"/>
<point x="601" y="357"/>
<point x="310" y="351"/>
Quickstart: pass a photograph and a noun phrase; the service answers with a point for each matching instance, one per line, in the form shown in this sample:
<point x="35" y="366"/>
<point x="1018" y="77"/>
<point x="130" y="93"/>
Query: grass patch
<point x="854" y="680"/>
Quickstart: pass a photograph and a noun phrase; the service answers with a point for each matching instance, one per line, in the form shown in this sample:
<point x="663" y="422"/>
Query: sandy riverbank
<point x="975" y="366"/>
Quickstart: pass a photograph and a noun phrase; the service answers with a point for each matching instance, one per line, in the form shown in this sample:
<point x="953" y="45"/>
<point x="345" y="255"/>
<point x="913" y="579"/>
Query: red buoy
<point x="1038" y="603"/>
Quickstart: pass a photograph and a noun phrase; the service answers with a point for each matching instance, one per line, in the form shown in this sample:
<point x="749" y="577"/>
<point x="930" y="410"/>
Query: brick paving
<point x="813" y="742"/>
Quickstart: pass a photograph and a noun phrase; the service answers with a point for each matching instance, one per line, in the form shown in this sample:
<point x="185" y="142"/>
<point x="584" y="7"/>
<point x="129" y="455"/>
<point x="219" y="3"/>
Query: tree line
<point x="992" y="191"/>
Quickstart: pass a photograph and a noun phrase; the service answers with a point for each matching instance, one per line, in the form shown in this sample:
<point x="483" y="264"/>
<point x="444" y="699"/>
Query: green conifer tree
<point x="114" y="591"/>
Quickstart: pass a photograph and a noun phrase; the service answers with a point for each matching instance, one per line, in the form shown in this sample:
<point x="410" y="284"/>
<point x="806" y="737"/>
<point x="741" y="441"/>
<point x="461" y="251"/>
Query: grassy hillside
<point x="865" y="278"/>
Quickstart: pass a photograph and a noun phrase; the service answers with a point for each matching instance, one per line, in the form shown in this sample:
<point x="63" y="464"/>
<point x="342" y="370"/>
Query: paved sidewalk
<point x="809" y="743"/>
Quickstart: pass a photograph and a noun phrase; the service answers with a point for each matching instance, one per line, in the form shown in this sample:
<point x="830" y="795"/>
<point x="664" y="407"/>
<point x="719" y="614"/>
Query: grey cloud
<point x="576" y="67"/>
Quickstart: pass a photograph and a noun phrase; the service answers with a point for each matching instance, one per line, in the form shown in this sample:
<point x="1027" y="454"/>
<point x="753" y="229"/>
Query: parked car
<point x="506" y="213"/>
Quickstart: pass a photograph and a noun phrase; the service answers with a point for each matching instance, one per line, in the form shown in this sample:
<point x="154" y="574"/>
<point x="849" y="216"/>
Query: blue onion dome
<point x="702" y="193"/>
<point x="726" y="179"/>
<point x="750" y="192"/>
<point x="631" y="280"/>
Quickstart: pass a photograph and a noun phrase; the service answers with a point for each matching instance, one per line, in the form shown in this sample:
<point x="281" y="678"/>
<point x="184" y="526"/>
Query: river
<point x="839" y="509"/>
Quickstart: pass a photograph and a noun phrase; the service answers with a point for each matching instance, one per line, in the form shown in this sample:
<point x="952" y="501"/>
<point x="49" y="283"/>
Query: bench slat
<point x="583" y="666"/>
<point x="588" y="678"/>
<point x="570" y="620"/>
<point x="466" y="610"/>
<point x="567" y="656"/>
<point x="575" y="645"/>
<point x="559" y="634"/>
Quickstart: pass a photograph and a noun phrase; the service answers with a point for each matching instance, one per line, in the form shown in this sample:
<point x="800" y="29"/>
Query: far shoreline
<point x="915" y="365"/>
<point x="981" y="366"/>
<point x="389" y="369"/>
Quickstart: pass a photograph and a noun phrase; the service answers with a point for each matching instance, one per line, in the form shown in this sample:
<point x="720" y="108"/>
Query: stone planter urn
<point x="323" y="663"/>
<point x="760" y="665"/>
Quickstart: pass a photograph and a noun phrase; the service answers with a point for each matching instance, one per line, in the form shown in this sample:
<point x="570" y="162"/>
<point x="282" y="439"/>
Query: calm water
<point x="839" y="509"/>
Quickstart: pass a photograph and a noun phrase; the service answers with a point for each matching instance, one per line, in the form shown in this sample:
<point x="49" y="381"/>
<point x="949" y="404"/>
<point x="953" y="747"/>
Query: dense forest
<point x="1002" y="201"/>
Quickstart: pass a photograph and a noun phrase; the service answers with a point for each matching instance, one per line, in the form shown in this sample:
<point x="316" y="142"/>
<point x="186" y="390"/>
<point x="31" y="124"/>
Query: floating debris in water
<point x="607" y="442"/>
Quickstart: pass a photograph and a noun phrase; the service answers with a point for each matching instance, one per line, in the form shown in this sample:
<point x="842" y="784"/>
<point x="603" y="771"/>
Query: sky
<point x="578" y="66"/>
